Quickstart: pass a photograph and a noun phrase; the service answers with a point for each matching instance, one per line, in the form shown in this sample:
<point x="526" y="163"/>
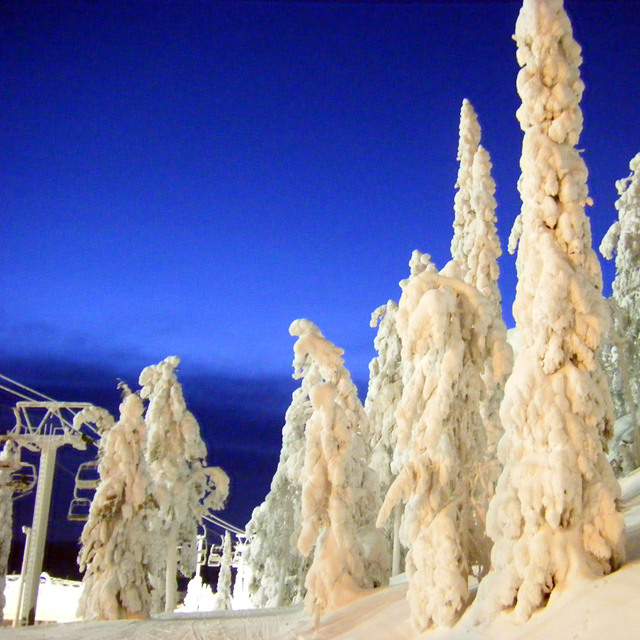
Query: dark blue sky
<point x="188" y="177"/>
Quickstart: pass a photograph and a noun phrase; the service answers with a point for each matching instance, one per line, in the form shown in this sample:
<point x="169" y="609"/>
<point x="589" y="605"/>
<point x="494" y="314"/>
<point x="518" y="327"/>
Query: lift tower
<point x="42" y="426"/>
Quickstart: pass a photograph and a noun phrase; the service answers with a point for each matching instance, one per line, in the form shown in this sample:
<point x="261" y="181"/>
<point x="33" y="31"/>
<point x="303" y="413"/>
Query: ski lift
<point x="87" y="480"/>
<point x="87" y="476"/>
<point x="23" y="476"/>
<point x="215" y="556"/>
<point x="24" y="479"/>
<point x="79" y="510"/>
<point x="202" y="550"/>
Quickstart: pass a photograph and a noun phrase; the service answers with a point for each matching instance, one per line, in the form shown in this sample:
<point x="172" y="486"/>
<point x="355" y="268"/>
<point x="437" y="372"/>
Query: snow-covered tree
<point x="275" y="569"/>
<point x="447" y="332"/>
<point x="481" y="261"/>
<point x="176" y="458"/>
<point x="223" y="589"/>
<point x="476" y="249"/>
<point x="334" y="477"/>
<point x="383" y="395"/>
<point x="554" y="514"/>
<point x="8" y="457"/>
<point x="621" y="354"/>
<point x="469" y="140"/>
<point x="200" y="596"/>
<point x="116" y="552"/>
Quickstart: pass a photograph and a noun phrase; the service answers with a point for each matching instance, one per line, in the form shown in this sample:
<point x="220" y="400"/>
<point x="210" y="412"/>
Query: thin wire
<point x="213" y="519"/>
<point x="24" y="386"/>
<point x="216" y="520"/>
<point x="15" y="393"/>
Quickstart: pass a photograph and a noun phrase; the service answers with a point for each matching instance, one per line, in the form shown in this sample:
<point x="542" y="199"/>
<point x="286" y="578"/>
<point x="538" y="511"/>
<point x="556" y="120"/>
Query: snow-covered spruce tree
<point x="222" y="598"/>
<point x="621" y="354"/>
<point x="8" y="456"/>
<point x="275" y="569"/>
<point x="115" y="552"/>
<point x="480" y="263"/>
<point x="384" y="391"/>
<point x="199" y="597"/>
<point x="446" y="328"/>
<point x="469" y="139"/>
<point x="336" y="483"/>
<point x="176" y="458"/>
<point x="554" y="513"/>
<point x="383" y="395"/>
<point x="476" y="249"/>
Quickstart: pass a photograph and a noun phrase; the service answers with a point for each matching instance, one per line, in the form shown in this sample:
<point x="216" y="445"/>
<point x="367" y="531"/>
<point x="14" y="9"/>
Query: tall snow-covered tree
<point x="8" y="456"/>
<point x="334" y="477"/>
<point x="116" y="553"/>
<point x="554" y="513"/>
<point x="275" y="569"/>
<point x="446" y="328"/>
<point x="476" y="249"/>
<point x="176" y="458"/>
<point x="383" y="395"/>
<point x="481" y="260"/>
<point x="223" y="589"/>
<point x="621" y="353"/>
<point x="469" y="140"/>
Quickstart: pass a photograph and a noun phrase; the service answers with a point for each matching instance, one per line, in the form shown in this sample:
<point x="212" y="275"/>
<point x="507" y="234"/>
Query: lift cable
<point x="43" y="397"/>
<point x="217" y="521"/>
<point x="209" y="516"/>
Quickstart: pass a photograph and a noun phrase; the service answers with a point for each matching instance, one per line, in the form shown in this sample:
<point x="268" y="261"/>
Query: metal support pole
<point x="38" y="533"/>
<point x="17" y="616"/>
<point x="395" y="563"/>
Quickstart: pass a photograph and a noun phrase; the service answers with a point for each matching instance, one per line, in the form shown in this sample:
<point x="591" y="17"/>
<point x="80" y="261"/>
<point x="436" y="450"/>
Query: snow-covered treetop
<point x="467" y="147"/>
<point x="418" y="263"/>
<point x="167" y="406"/>
<point x="153" y="375"/>
<point x="558" y="304"/>
<point x="475" y="246"/>
<point x="312" y="346"/>
<point x="482" y="257"/>
<point x="549" y="82"/>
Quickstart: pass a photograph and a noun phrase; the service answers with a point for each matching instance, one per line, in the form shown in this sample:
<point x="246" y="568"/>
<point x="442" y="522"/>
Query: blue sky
<point x="188" y="177"/>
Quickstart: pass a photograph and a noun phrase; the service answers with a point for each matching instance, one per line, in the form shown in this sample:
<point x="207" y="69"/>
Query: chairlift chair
<point x="24" y="478"/>
<point x="87" y="476"/>
<point x="202" y="550"/>
<point x="87" y="480"/>
<point x="215" y="556"/>
<point x="79" y="510"/>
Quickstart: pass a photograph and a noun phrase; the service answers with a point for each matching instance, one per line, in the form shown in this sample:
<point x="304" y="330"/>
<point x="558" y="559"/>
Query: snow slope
<point x="592" y="610"/>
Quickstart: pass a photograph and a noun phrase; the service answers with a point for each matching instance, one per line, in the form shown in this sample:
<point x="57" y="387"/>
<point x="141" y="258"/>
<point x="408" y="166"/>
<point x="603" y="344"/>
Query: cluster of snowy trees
<point x="620" y="355"/>
<point x="469" y="464"/>
<point x="462" y="464"/>
<point x="154" y="488"/>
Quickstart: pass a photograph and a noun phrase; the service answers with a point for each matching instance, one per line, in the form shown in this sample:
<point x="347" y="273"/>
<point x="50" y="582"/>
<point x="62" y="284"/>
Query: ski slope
<point x="591" y="610"/>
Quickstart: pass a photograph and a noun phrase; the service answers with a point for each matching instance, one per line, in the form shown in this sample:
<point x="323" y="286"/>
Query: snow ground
<point x="593" y="610"/>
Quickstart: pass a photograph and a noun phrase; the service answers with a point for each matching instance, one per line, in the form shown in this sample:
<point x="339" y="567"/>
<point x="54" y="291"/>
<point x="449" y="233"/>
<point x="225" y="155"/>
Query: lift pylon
<point x="43" y="427"/>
